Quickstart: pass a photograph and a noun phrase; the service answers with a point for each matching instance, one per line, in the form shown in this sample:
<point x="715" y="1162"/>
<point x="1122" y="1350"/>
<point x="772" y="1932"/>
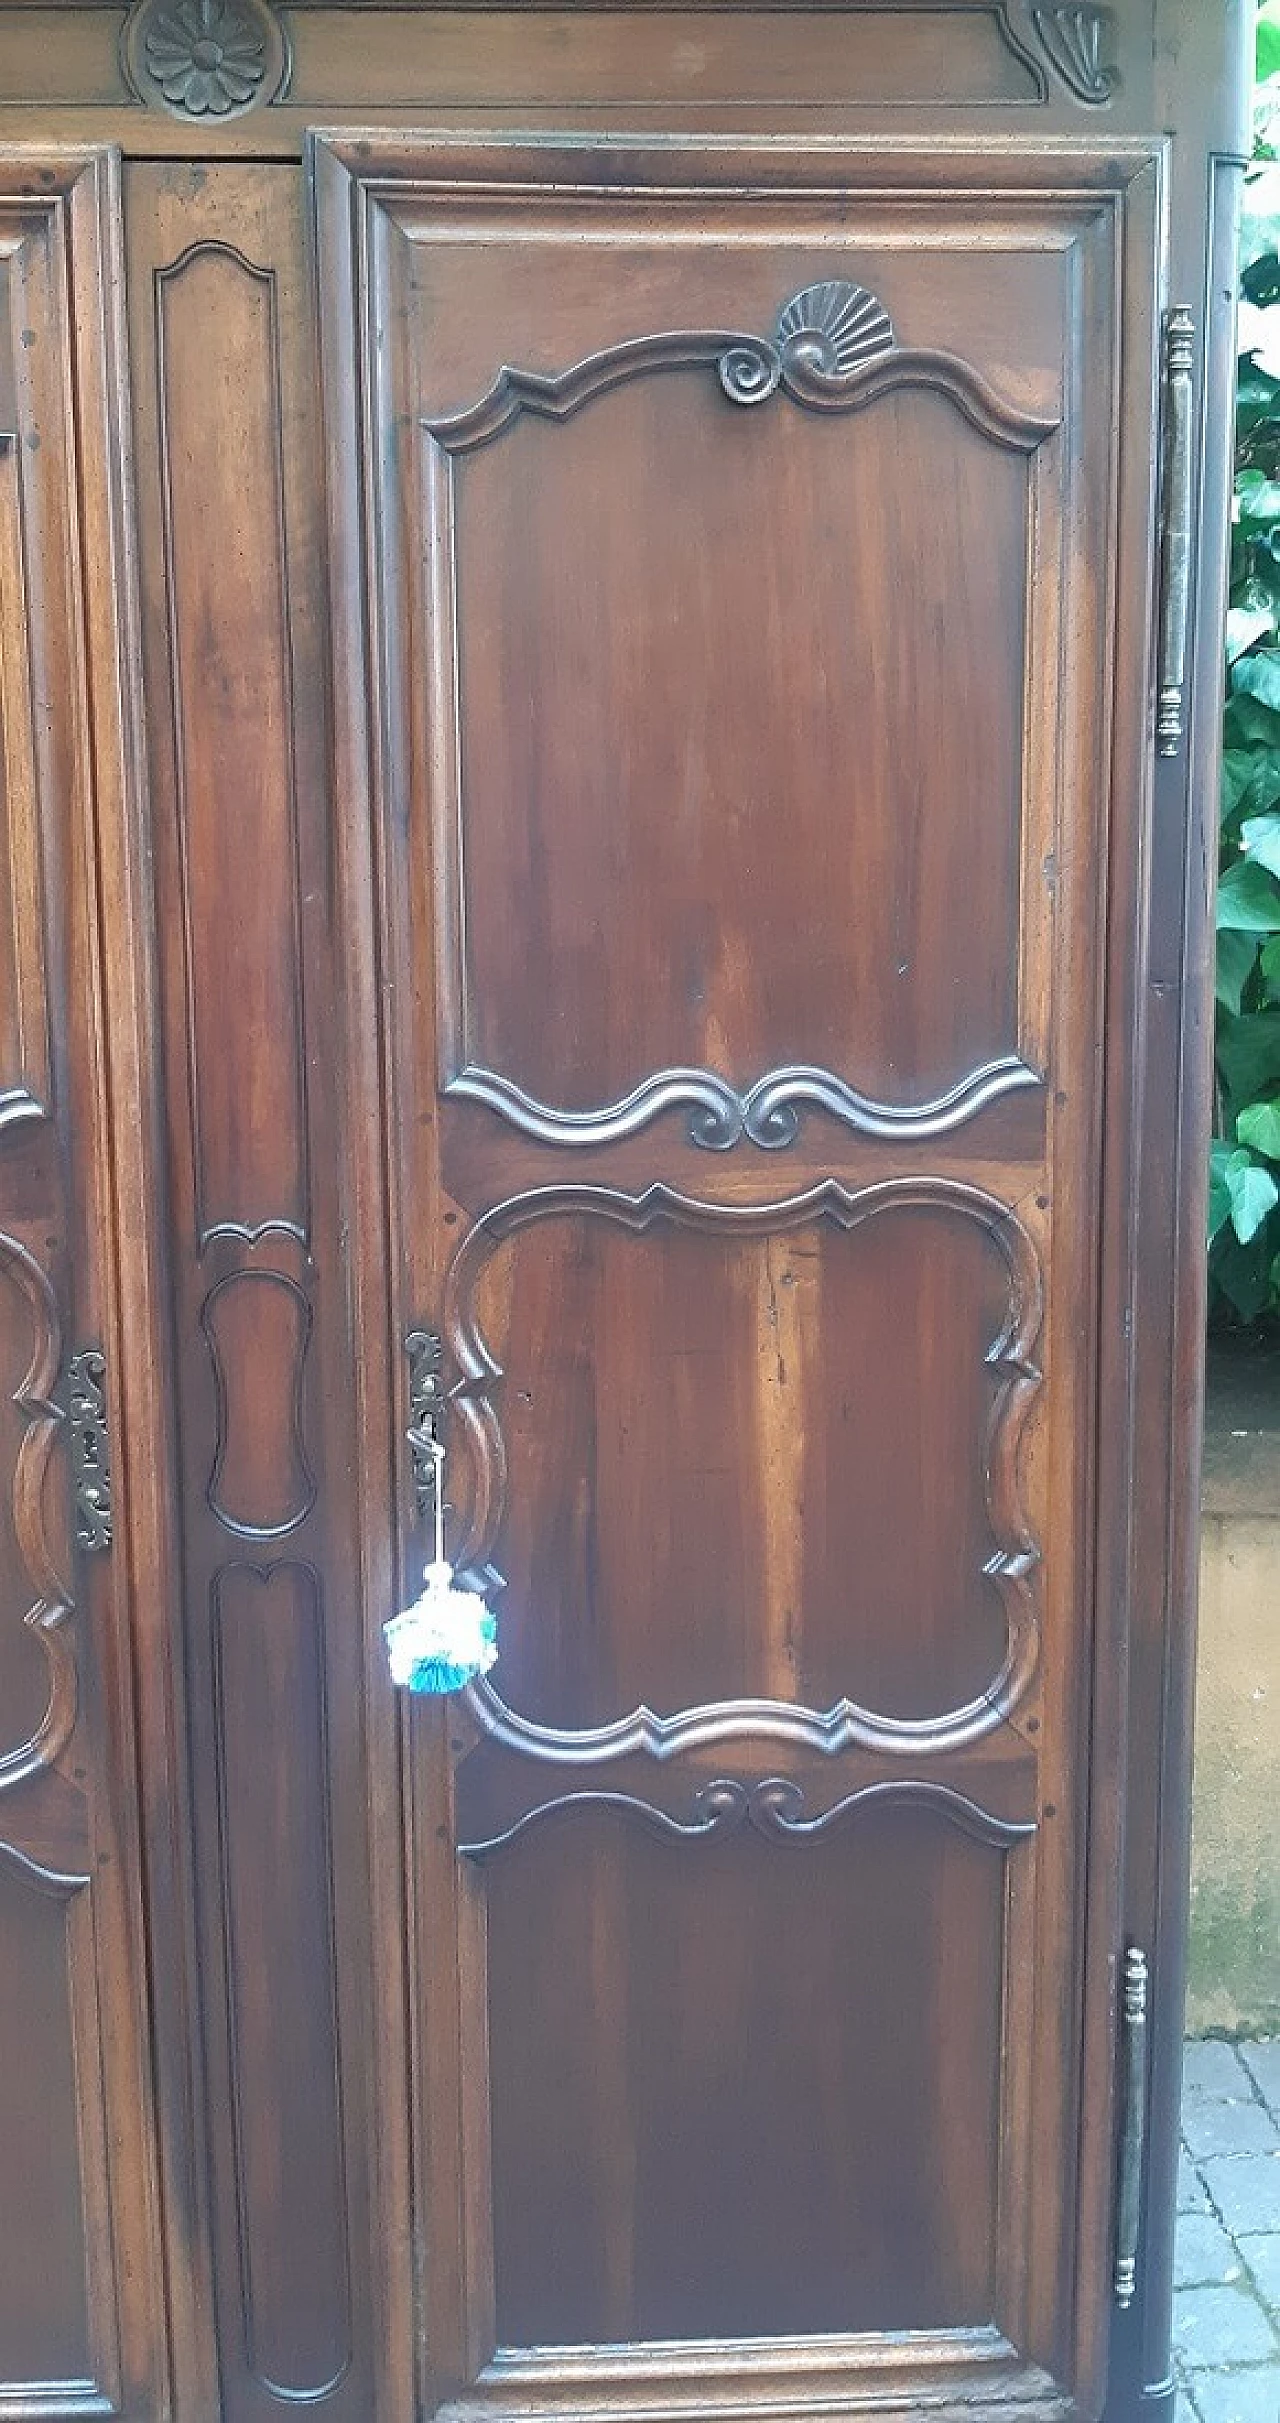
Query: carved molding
<point x="24" y="1092"/>
<point x="296" y="1494"/>
<point x="205" y="59"/>
<point x="46" y="1619"/>
<point x="774" y="1807"/>
<point x="768" y="1113"/>
<point x="833" y="348"/>
<point x="239" y="1163"/>
<point x="1011" y="1567"/>
<point x="1068" y="38"/>
<point x="268" y="1631"/>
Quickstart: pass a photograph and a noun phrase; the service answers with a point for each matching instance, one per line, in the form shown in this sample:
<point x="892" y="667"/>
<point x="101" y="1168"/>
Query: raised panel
<point x="30" y="661"/>
<point x="286" y="2113"/>
<point x="44" y="2293"/>
<point x="781" y="578"/>
<point x="257" y="1325"/>
<point x="219" y="427"/>
<point x="272" y="2011"/>
<point x="24" y="1013"/>
<point x="38" y="1688"/>
<point x="757" y="1457"/>
<point x="664" y="2166"/>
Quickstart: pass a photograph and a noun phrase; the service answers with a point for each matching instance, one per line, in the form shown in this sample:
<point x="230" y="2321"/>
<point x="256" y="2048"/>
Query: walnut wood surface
<point x="576" y="709"/>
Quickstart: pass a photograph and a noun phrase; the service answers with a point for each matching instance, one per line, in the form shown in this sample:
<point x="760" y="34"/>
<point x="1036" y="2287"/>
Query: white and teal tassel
<point x="447" y="1636"/>
<point x="445" y="1639"/>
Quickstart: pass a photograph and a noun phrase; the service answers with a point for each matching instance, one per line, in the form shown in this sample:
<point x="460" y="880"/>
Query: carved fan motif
<point x="834" y="328"/>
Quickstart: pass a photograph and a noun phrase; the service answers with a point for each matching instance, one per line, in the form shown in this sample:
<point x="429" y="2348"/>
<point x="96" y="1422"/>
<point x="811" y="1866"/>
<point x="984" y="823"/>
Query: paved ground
<point x="1226" y="2325"/>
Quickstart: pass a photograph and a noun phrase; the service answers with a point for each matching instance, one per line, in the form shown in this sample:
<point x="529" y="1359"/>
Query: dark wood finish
<point x="542" y="805"/>
<point x="654" y="1437"/>
<point x="231" y="592"/>
<point x="81" y="2327"/>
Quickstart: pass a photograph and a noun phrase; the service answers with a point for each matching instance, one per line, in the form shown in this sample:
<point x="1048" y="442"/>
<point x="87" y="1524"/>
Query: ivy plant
<point x="1244" y="1178"/>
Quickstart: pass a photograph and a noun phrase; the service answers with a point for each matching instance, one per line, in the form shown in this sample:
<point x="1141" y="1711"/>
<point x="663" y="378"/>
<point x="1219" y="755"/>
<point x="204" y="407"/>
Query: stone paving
<point x="1226" y="2314"/>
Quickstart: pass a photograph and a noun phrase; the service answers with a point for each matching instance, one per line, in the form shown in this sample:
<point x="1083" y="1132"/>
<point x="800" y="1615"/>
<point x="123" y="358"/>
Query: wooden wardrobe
<point x="609" y="707"/>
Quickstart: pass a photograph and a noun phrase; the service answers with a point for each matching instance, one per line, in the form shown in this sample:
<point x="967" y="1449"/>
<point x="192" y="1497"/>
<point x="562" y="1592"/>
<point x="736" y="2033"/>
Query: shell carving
<point x="822" y="339"/>
<point x="833" y="328"/>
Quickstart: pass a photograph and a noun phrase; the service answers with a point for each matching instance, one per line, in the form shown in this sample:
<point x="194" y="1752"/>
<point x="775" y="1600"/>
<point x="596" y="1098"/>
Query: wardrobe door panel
<point x="80" y="2303"/>
<point x="740" y="734"/>
<point x="271" y="1675"/>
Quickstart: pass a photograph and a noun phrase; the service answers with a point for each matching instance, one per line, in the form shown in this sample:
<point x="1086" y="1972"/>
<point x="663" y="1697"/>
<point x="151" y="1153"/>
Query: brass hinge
<point x="1133" y="2123"/>
<point x="86" y="1415"/>
<point x="1175" y="531"/>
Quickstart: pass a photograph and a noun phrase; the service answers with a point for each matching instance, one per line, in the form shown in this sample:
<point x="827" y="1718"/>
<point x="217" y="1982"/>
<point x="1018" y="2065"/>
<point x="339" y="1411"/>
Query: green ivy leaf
<point x="1248" y="1057"/>
<point x="1249" y="723"/>
<point x="1258" y="676"/>
<point x="1237" y="957"/>
<point x="1242" y="1273"/>
<point x="1257" y="501"/>
<point x="1269" y="962"/>
<point x="1254" y="1194"/>
<point x="1248" y="900"/>
<point x="1245" y="625"/>
<point x="1259" y="1126"/>
<point x="1266" y="40"/>
<point x="1219" y="1191"/>
<point x="1260" y="836"/>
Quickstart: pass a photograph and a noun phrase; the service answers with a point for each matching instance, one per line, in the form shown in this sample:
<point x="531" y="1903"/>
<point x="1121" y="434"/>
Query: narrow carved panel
<point x="45" y="2334"/>
<point x="866" y="1573"/>
<point x="37" y="1658"/>
<point x="231" y="672"/>
<point x="273" y="1771"/>
<point x="658" y="2135"/>
<point x="258" y="1325"/>
<point x="24" y="1014"/>
<point x="669" y="968"/>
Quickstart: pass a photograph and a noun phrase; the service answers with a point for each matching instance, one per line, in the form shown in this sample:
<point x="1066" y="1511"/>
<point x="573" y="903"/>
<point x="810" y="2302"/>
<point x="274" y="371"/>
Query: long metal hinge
<point x="1133" y="2122"/>
<point x="1175" y="531"/>
<point x="86" y="1415"/>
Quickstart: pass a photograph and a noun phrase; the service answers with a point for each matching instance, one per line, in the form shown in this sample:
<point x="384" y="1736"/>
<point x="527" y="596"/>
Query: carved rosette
<point x="205" y="58"/>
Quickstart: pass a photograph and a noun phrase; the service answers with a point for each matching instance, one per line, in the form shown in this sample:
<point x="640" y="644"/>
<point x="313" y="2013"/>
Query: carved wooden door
<point x="750" y="711"/>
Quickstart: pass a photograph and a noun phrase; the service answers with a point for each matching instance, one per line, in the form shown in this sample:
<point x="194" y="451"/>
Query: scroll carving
<point x="767" y="1114"/>
<point x="1071" y="39"/>
<point x="1067" y="37"/>
<point x="832" y="348"/>
<point x="774" y="1807"/>
<point x="1011" y="1567"/>
<point x="46" y="1619"/>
